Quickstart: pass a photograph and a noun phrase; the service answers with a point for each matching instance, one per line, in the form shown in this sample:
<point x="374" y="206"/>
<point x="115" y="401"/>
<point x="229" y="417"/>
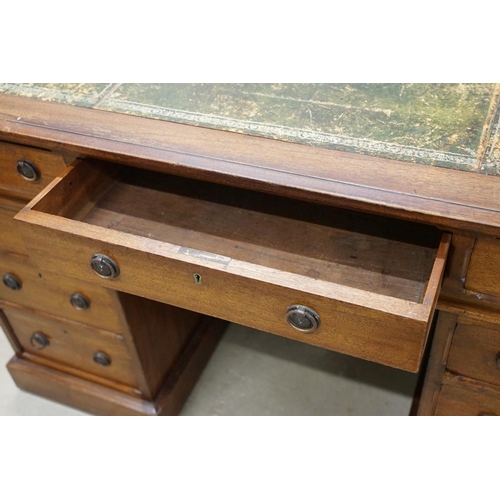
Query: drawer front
<point x="483" y="275"/>
<point x="462" y="399"/>
<point x="266" y="267"/>
<point x="73" y="345"/>
<point x="475" y="352"/>
<point x="38" y="169"/>
<point x="10" y="239"/>
<point x="58" y="295"/>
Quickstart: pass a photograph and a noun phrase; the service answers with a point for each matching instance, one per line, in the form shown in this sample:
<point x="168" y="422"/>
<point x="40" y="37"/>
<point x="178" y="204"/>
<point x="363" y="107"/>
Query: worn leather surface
<point x="449" y="125"/>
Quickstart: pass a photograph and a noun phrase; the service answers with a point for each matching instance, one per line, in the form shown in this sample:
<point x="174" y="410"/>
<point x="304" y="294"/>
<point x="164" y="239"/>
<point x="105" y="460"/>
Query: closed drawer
<point x="10" y="239"/>
<point x="246" y="257"/>
<point x="460" y="397"/>
<point x="70" y="298"/>
<point x="483" y="275"/>
<point x="475" y="352"/>
<point x="73" y="345"/>
<point x="24" y="171"/>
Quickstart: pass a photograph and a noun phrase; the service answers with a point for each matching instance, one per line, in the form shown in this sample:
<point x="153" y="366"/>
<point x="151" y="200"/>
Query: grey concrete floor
<point x="256" y="373"/>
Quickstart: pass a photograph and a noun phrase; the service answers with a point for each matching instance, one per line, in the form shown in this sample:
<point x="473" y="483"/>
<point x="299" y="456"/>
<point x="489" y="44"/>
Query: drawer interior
<point x="325" y="243"/>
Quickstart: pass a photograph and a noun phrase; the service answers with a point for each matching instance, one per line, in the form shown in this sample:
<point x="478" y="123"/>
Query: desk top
<point x="382" y="147"/>
<point x="447" y="125"/>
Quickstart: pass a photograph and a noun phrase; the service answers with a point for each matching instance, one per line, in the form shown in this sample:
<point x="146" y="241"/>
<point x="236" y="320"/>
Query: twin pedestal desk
<point x="127" y="243"/>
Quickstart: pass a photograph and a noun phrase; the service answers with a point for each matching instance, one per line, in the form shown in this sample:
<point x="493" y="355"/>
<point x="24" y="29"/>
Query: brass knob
<point x="104" y="266"/>
<point x="11" y="281"/>
<point x="302" y="318"/>
<point x="102" y="359"/>
<point x="79" y="301"/>
<point x="27" y="170"/>
<point x="39" y="341"/>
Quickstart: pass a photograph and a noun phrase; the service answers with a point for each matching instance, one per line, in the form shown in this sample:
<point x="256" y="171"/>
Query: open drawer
<point x="355" y="283"/>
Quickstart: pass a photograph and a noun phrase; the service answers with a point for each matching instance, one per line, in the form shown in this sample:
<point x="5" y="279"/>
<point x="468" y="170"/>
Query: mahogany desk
<point x="137" y="219"/>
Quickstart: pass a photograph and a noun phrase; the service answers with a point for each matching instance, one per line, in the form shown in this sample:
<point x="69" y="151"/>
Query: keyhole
<point x="197" y="278"/>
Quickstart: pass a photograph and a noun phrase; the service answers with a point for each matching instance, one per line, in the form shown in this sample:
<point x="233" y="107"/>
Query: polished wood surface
<point x="98" y="399"/>
<point x="466" y="397"/>
<point x="435" y="366"/>
<point x="457" y="264"/>
<point x="74" y="344"/>
<point x="10" y="334"/>
<point x="475" y="352"/>
<point x="160" y="334"/>
<point x="47" y="163"/>
<point x="75" y="391"/>
<point x="483" y="276"/>
<point x="51" y="293"/>
<point x="183" y="377"/>
<point x="11" y="239"/>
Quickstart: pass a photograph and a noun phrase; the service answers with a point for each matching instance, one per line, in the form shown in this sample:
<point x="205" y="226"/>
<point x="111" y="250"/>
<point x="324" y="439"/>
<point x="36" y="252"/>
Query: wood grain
<point x="78" y="191"/>
<point x="75" y="391"/>
<point x="77" y="372"/>
<point x="48" y="164"/>
<point x="469" y="307"/>
<point x="461" y="396"/>
<point x="10" y="239"/>
<point x="51" y="292"/>
<point x="74" y="345"/>
<point x="189" y="367"/>
<point x="436" y="364"/>
<point x="375" y="253"/>
<point x="483" y="276"/>
<point x="100" y="400"/>
<point x="457" y="264"/>
<point x="474" y="352"/>
<point x="159" y="333"/>
<point x="451" y="199"/>
<point x="383" y="329"/>
<point x="9" y="333"/>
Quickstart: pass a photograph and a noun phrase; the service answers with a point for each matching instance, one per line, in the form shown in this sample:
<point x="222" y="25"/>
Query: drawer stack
<point x="466" y="350"/>
<point x="77" y="342"/>
<point x="472" y="383"/>
<point x="52" y="320"/>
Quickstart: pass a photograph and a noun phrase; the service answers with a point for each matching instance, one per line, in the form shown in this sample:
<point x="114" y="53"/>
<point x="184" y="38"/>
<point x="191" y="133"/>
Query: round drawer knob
<point x="498" y="360"/>
<point x="10" y="281"/>
<point x="27" y="170"/>
<point x="79" y="301"/>
<point x="103" y="266"/>
<point x="39" y="341"/>
<point x="102" y="359"/>
<point x="302" y="318"/>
